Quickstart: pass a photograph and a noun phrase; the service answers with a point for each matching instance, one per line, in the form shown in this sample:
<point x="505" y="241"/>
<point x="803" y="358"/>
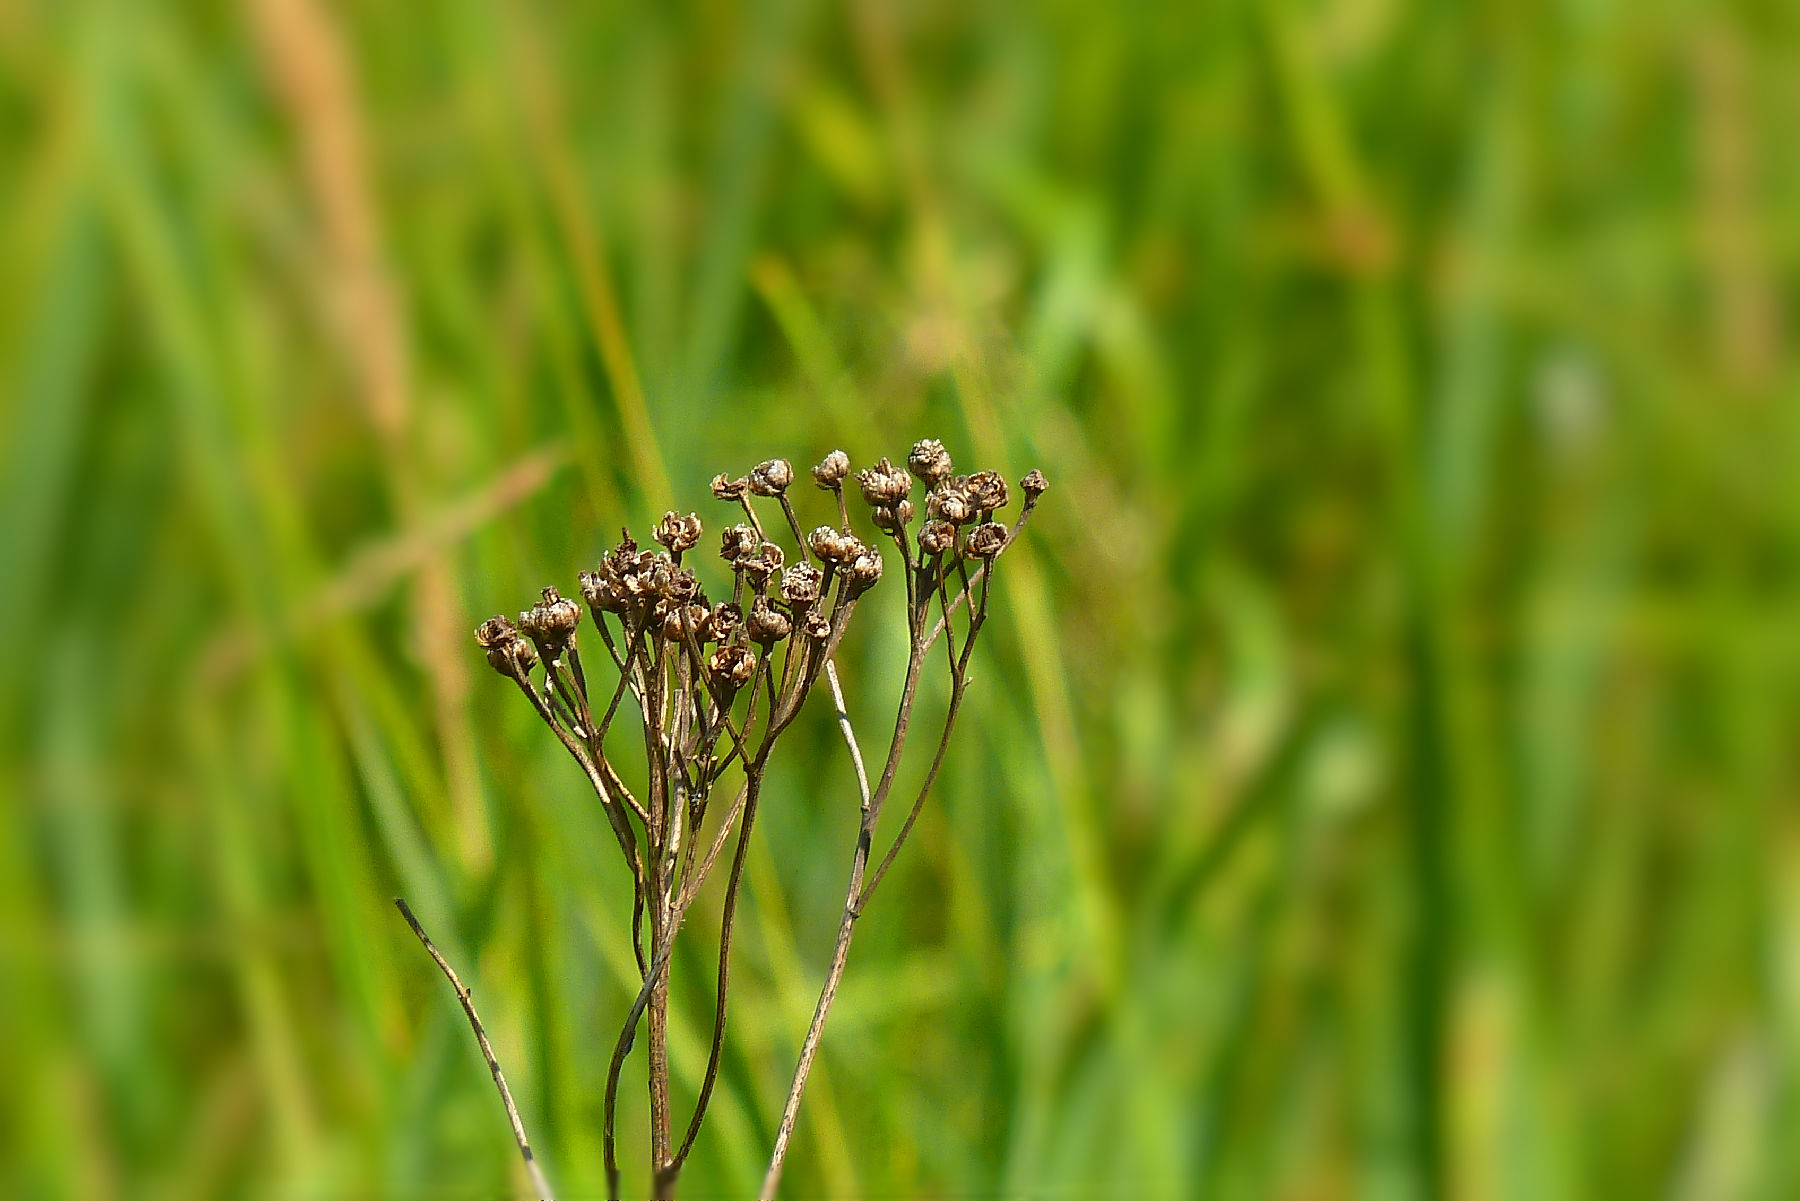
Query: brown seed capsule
<point x="642" y="589"/>
<point x="800" y="584"/>
<point x="726" y="488"/>
<point x="929" y="461"/>
<point x="948" y="504"/>
<point x="764" y="563"/>
<point x="767" y="623"/>
<point x="624" y="551"/>
<point x="507" y="652"/>
<point x="495" y="631"/>
<point x="985" y="541"/>
<point x="986" y="491"/>
<point x="895" y="519"/>
<point x="936" y="537"/>
<point x="833" y="545"/>
<point x="681" y="584"/>
<point x="815" y="624"/>
<point x="679" y="620"/>
<point x="865" y="572"/>
<point x="677" y="533"/>
<point x="731" y="668"/>
<point x="726" y="618"/>
<point x="771" y="477"/>
<point x="737" y="541"/>
<point x="832" y="470"/>
<point x="884" y="484"/>
<point x="551" y="624"/>
<point x="1034" y="484"/>
<point x="601" y="590"/>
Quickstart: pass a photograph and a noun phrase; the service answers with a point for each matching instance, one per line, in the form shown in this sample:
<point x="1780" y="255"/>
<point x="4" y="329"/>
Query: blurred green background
<point x="1377" y="781"/>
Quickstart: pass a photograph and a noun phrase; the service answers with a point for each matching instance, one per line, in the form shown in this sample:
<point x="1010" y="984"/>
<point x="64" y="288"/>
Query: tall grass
<point x="1378" y="781"/>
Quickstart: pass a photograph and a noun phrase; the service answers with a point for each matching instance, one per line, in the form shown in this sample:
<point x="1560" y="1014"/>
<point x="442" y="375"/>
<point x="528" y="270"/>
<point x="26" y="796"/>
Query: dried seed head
<point x="831" y="470"/>
<point x="885" y="520"/>
<point x="601" y="591"/>
<point x="895" y="519"/>
<point x="1034" y="484"/>
<point x="507" y="651"/>
<point x="641" y="590"/>
<point x="815" y="624"/>
<point x="627" y="559"/>
<point x="986" y="491"/>
<point x="948" y="504"/>
<point x="737" y="541"/>
<point x="677" y="533"/>
<point x="678" y="621"/>
<point x="551" y="624"/>
<point x="865" y="571"/>
<point x="771" y="477"/>
<point x="726" y="618"/>
<point x="800" y="584"/>
<point x="680" y="584"/>
<point x="495" y="631"/>
<point x="936" y="537"/>
<point x="929" y="461"/>
<point x="985" y="541"/>
<point x="767" y="623"/>
<point x="833" y="545"/>
<point x="884" y="484"/>
<point x="726" y="488"/>
<point x="731" y="668"/>
<point x="764" y="563"/>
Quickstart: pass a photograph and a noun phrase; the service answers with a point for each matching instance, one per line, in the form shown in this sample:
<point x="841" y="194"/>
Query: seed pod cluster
<point x="717" y="681"/>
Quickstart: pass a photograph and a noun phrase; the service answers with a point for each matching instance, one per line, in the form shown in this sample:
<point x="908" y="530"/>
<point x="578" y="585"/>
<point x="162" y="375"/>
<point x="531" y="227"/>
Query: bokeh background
<point x="1378" y="781"/>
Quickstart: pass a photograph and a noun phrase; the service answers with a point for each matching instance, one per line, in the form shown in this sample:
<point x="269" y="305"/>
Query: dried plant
<point x="715" y="685"/>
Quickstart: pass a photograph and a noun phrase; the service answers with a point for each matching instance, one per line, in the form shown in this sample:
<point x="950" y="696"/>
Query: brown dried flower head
<point x="767" y="623"/>
<point x="726" y="488"/>
<point x="985" y="541"/>
<point x="771" y="477"/>
<point x="884" y="484"/>
<point x="507" y="651"/>
<point x="893" y="520"/>
<point x="677" y="533"/>
<point x="800" y="584"/>
<point x="551" y="623"/>
<point x="936" y="537"/>
<point x="986" y="491"/>
<point x="948" y="504"/>
<point x="736" y="542"/>
<point x="726" y="618"/>
<point x="815" y="624"/>
<point x="681" y="584"/>
<point x="832" y="470"/>
<point x="601" y="591"/>
<point x="834" y="545"/>
<point x="764" y="563"/>
<point x="679" y="620"/>
<point x="930" y="461"/>
<point x="731" y="668"/>
<point x="1034" y="484"/>
<point x="865" y="572"/>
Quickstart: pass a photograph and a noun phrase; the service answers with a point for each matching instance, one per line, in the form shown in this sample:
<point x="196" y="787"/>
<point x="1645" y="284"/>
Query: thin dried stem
<point x="532" y="1168"/>
<point x="848" y="731"/>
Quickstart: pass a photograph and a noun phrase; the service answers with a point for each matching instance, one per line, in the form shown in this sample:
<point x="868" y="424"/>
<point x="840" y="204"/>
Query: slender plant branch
<point x="532" y="1168"/>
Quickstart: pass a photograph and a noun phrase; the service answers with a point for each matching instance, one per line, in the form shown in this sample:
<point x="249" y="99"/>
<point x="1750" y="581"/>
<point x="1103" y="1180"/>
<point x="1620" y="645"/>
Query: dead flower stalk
<point x="715" y="684"/>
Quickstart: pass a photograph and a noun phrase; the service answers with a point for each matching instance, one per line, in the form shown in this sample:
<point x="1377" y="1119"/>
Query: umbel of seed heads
<point x="716" y="681"/>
